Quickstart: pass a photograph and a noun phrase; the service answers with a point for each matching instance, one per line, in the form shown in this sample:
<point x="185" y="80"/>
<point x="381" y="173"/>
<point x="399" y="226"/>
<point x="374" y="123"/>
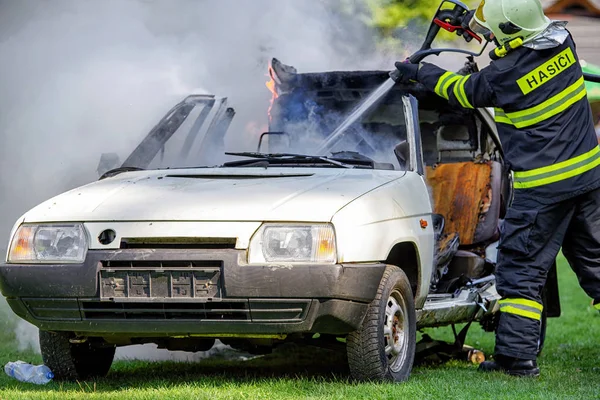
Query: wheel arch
<point x="405" y="255"/>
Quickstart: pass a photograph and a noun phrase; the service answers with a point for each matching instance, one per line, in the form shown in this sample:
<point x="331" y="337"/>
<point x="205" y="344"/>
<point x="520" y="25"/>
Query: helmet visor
<point x="478" y="23"/>
<point x="478" y="28"/>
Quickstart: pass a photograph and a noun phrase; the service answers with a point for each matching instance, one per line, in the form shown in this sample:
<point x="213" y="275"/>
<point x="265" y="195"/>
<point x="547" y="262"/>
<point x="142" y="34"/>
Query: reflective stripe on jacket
<point x="542" y="113"/>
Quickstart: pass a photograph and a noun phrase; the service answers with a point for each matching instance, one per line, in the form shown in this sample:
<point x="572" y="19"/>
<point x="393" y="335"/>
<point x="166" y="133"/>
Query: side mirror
<point x="107" y="162"/>
<point x="277" y="142"/>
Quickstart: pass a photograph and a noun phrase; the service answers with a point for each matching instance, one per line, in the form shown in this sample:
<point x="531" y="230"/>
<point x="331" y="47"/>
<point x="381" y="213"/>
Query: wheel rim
<point x="395" y="331"/>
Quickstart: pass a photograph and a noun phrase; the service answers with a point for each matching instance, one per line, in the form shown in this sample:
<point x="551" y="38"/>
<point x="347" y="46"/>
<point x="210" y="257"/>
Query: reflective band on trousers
<point x="522" y="307"/>
<point x="557" y="172"/>
<point x="548" y="109"/>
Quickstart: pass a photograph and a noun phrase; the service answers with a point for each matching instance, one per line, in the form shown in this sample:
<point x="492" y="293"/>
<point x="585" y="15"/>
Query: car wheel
<point x="383" y="349"/>
<point x="74" y="361"/>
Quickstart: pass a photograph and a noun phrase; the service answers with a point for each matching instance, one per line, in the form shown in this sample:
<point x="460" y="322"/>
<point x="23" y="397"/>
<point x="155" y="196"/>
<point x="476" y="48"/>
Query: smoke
<point x="150" y="352"/>
<point x="80" y="78"/>
<point x="25" y="333"/>
<point x="27" y="336"/>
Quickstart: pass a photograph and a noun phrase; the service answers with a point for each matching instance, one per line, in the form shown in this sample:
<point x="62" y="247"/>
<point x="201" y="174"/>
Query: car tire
<point x="383" y="349"/>
<point x="74" y="361"/>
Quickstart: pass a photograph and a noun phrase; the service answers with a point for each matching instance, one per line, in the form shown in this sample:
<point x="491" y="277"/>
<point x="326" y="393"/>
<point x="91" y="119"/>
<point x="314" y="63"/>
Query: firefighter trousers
<point x="530" y="239"/>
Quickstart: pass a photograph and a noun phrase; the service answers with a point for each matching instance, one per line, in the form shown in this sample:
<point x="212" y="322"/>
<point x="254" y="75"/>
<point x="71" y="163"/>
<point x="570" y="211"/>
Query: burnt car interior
<point x="463" y="160"/>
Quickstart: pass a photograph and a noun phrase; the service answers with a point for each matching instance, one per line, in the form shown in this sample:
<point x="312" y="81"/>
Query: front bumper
<point x="168" y="292"/>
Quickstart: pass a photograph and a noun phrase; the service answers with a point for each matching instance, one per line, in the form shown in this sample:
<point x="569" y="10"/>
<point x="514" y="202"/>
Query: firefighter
<point x="545" y="124"/>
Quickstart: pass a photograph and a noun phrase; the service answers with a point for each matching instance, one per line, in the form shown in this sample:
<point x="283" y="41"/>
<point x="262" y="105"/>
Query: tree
<point x="388" y="16"/>
<point x="403" y="24"/>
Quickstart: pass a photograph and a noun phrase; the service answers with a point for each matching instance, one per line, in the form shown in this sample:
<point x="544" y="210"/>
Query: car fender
<point x="368" y="228"/>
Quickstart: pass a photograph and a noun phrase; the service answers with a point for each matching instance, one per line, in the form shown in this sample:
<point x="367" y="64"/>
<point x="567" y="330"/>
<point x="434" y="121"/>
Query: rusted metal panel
<point x="462" y="193"/>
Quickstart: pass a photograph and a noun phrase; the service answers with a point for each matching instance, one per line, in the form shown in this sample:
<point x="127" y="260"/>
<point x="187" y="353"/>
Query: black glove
<point x="406" y="72"/>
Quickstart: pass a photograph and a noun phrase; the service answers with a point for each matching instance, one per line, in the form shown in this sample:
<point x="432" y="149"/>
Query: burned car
<point x="362" y="240"/>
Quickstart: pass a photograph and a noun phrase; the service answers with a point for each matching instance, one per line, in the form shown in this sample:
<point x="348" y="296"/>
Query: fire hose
<point x="591" y="77"/>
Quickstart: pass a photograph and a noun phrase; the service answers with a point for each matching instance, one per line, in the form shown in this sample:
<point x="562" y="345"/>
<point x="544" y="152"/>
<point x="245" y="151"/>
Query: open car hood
<point x="216" y="194"/>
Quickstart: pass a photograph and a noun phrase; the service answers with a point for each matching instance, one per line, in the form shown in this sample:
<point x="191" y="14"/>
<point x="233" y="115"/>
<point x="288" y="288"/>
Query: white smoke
<point x="80" y="78"/>
<point x="27" y="336"/>
<point x="25" y="333"/>
<point x="151" y="352"/>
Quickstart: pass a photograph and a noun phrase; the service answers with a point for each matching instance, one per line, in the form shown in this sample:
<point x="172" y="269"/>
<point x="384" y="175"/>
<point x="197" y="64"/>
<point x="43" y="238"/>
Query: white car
<point x="392" y="228"/>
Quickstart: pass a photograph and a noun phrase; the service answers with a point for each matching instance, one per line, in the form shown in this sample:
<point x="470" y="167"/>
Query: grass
<point x="569" y="370"/>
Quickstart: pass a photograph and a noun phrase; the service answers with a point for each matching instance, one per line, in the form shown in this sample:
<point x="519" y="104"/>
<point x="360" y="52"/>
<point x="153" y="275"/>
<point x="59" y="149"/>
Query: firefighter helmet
<point x="509" y="19"/>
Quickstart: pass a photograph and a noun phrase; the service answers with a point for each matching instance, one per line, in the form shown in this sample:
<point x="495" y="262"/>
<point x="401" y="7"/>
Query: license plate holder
<point x="152" y="285"/>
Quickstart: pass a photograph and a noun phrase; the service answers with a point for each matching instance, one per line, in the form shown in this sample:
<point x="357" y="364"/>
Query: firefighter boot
<point x="511" y="366"/>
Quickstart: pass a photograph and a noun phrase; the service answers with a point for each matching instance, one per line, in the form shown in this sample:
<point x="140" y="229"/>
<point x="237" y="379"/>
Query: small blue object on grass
<point x="20" y="370"/>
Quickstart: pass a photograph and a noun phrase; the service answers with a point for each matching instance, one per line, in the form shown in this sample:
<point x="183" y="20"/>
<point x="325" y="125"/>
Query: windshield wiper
<point x="119" y="170"/>
<point x="287" y="157"/>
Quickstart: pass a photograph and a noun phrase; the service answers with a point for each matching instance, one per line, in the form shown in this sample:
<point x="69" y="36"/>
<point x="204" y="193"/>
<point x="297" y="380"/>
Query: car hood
<point x="214" y="194"/>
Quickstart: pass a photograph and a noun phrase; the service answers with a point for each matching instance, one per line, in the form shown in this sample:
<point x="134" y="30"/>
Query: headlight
<point x="293" y="243"/>
<point x="48" y="244"/>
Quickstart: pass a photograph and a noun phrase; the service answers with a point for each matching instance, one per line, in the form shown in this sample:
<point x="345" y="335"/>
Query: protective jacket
<point x="543" y="117"/>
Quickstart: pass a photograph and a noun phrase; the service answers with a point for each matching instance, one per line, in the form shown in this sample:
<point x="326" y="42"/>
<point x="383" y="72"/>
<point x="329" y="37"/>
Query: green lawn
<point x="569" y="370"/>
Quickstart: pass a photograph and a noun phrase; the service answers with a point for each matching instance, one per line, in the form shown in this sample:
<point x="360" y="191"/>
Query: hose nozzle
<point x="395" y="75"/>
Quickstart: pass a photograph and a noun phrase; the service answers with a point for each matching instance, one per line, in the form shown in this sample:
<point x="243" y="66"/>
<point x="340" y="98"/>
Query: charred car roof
<point x="346" y="86"/>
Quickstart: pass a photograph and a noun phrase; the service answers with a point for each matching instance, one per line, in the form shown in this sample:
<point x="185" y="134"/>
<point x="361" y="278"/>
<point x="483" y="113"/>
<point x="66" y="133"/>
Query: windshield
<point x="184" y="147"/>
<point x="308" y="122"/>
<point x="192" y="134"/>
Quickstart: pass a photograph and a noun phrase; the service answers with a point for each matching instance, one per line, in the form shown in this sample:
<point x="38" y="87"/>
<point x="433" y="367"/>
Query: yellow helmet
<point x="510" y="19"/>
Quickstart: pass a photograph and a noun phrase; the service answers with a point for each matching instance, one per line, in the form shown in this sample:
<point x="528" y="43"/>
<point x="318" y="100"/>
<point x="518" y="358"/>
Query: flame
<point x="272" y="88"/>
<point x="255" y="128"/>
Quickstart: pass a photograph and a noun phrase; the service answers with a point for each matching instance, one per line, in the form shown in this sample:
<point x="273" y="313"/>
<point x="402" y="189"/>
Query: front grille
<point x="151" y="264"/>
<point x="222" y="311"/>
<point x="178" y="243"/>
<point x="231" y="310"/>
